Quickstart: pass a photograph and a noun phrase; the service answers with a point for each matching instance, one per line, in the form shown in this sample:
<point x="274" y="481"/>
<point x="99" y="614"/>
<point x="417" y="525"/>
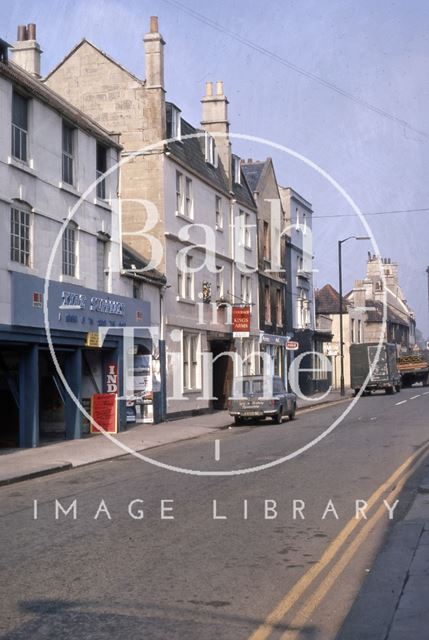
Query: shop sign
<point x="92" y="339"/>
<point x="241" y="322"/>
<point x="104" y="412"/>
<point x="292" y="345"/>
<point x="112" y="378"/>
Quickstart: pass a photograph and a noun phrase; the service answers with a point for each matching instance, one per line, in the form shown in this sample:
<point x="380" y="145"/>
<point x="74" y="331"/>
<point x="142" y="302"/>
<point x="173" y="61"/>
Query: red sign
<point x="241" y="320"/>
<point x="104" y="412"/>
<point x="292" y="345"/>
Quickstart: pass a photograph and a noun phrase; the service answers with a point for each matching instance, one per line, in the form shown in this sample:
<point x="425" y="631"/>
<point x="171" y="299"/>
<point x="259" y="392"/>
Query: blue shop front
<point x="86" y="331"/>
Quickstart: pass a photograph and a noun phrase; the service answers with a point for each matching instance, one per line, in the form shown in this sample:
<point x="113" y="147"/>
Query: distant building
<point x="380" y="285"/>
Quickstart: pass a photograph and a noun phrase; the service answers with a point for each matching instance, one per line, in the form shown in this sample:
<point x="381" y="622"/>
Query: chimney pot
<point x="22" y="32"/>
<point x="219" y="88"/>
<point x="209" y="88"/>
<point x="31" y="31"/>
<point x="154" y="24"/>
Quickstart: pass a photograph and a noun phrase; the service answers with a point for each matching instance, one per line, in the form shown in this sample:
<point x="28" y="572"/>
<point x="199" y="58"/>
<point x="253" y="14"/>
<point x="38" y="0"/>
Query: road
<point x="251" y="573"/>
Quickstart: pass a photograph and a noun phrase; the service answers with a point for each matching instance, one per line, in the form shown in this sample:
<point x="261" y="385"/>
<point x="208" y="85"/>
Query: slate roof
<point x="36" y="88"/>
<point x="328" y="300"/>
<point x="191" y="152"/>
<point x="375" y="313"/>
<point x="253" y="172"/>
<point x="132" y="260"/>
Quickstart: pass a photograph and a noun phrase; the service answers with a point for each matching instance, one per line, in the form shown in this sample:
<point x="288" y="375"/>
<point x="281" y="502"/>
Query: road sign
<point x="292" y="345"/>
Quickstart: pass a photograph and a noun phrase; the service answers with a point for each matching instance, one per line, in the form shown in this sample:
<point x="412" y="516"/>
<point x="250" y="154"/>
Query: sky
<point x="377" y="52"/>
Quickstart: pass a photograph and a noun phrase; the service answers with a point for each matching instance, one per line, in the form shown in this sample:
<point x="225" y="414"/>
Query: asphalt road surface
<point x="257" y="570"/>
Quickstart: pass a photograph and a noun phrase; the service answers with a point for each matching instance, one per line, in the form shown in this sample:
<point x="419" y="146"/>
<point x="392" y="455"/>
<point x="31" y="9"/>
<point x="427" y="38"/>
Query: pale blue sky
<point x="378" y="51"/>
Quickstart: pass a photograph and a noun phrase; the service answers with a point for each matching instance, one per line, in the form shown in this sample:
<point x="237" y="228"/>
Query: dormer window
<point x="174" y="122"/>
<point x="210" y="151"/>
<point x="236" y="169"/>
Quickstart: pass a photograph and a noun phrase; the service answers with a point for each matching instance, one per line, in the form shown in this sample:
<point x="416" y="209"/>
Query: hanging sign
<point x="241" y="322"/>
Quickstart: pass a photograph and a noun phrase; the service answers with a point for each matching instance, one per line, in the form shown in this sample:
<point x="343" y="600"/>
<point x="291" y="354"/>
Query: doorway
<point x="222" y="373"/>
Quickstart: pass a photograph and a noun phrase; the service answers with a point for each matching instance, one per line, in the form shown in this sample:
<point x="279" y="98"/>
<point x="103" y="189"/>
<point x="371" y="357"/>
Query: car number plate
<point x="252" y="413"/>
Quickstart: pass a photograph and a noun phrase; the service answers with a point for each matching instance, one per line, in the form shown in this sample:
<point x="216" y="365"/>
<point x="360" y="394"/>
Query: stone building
<point x="272" y="262"/>
<point x="379" y="287"/>
<point x="300" y="307"/>
<point x="61" y="259"/>
<point x="187" y="210"/>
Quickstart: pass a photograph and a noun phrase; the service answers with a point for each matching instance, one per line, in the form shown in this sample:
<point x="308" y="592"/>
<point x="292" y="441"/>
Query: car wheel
<point x="238" y="420"/>
<point x="292" y="414"/>
<point x="390" y="391"/>
<point x="398" y="388"/>
<point x="277" y="419"/>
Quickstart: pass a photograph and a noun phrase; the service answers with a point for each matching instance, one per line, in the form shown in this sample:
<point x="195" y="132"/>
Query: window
<point x="236" y="169"/>
<point x="352" y="331"/>
<point x="247" y="357"/>
<point x="245" y="229"/>
<point x="185" y="280"/>
<point x="266" y="240"/>
<point x="69" y="249"/>
<point x="101" y="170"/>
<point x="218" y="209"/>
<point x="219" y="282"/>
<point x="20" y="235"/>
<point x="267" y="304"/>
<point x="210" y="150"/>
<point x="279" y="308"/>
<point x="359" y="336"/>
<point x="188" y="198"/>
<point x="19" y="126"/>
<point x="246" y="289"/>
<point x="102" y="264"/>
<point x="68" y="135"/>
<point x="297" y="221"/>
<point x="174" y="122"/>
<point x="191" y="361"/>
<point x="179" y="192"/>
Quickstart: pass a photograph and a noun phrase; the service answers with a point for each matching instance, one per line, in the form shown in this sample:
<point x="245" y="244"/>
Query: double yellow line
<point x="392" y="486"/>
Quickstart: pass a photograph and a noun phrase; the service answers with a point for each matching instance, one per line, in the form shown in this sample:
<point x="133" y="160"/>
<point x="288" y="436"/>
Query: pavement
<point x="24" y="464"/>
<point x="393" y="603"/>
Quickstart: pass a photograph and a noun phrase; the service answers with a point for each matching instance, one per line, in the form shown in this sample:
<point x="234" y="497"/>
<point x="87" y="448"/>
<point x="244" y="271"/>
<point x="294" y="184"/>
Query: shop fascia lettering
<point x="72" y="300"/>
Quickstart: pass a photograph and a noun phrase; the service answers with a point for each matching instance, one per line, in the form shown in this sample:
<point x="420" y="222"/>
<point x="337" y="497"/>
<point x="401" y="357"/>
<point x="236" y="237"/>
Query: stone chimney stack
<point x="154" y="56"/>
<point x="26" y="52"/>
<point x="215" y="120"/>
<point x="154" y="100"/>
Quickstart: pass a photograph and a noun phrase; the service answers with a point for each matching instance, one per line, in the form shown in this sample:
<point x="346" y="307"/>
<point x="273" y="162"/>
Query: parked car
<point x="385" y="374"/>
<point x="258" y="396"/>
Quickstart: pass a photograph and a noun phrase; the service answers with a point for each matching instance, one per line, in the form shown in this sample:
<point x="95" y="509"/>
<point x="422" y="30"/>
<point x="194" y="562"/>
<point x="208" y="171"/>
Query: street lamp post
<point x="340" y="282"/>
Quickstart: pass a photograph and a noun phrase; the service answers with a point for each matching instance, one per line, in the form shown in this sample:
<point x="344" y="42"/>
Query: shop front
<point x="42" y="393"/>
<point x="275" y="347"/>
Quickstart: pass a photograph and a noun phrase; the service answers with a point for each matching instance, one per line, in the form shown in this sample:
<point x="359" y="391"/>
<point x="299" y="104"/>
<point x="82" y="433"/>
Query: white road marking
<point x="402" y="402"/>
<point x="217" y="450"/>
<point x="414" y="397"/>
<point x="375" y="418"/>
<point x="425" y="393"/>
